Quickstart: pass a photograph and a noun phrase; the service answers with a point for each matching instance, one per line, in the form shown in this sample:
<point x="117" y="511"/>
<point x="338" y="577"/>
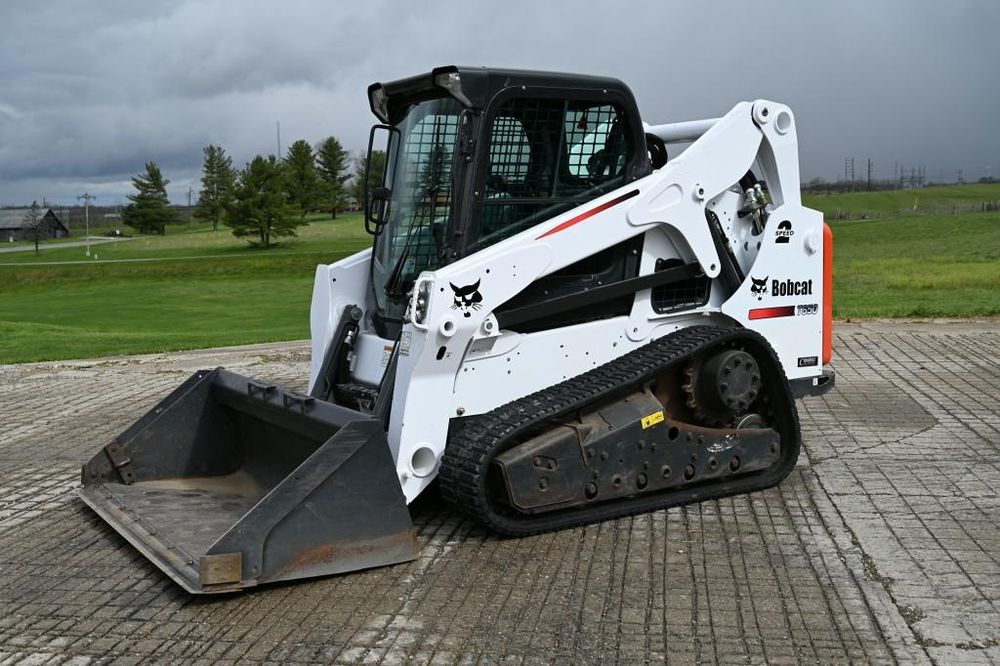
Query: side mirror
<point x="377" y="197"/>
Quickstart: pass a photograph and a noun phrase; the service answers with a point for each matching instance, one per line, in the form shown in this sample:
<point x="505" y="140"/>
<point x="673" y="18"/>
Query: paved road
<point x="57" y="246"/>
<point x="882" y="546"/>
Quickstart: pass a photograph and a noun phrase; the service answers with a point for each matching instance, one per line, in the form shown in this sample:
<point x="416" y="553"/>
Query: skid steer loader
<point x="556" y="320"/>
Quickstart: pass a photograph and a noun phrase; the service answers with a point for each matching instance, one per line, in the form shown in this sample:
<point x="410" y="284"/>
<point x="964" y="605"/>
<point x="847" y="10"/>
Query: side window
<point x="596" y="151"/>
<point x="428" y="158"/>
<point x="510" y="153"/>
<point x="547" y="157"/>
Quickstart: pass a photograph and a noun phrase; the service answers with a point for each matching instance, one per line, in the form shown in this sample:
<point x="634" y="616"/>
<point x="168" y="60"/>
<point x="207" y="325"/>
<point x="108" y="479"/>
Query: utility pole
<point x="189" y="208"/>
<point x="215" y="192"/>
<point x="869" y="174"/>
<point x="87" y="197"/>
<point x="278" y="124"/>
<point x="849" y="171"/>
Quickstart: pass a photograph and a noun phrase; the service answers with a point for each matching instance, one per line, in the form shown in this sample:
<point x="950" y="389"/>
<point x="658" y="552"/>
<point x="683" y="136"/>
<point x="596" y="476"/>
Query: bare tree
<point x="34" y="220"/>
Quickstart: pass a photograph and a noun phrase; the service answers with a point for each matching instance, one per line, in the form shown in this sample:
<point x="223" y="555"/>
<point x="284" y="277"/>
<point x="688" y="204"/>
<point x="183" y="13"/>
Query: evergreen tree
<point x="433" y="179"/>
<point x="150" y="209"/>
<point x="302" y="179"/>
<point x="332" y="163"/>
<point x="259" y="208"/>
<point x="217" y="178"/>
<point x="358" y="186"/>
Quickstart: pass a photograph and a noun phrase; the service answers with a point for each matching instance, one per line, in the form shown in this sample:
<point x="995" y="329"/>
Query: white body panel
<point x="454" y="363"/>
<point x="335" y="287"/>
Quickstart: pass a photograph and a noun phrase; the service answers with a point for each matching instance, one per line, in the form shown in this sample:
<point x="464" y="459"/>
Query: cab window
<point x="546" y="157"/>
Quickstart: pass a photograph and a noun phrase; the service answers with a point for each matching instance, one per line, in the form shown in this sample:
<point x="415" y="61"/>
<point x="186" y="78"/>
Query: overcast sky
<point x="89" y="91"/>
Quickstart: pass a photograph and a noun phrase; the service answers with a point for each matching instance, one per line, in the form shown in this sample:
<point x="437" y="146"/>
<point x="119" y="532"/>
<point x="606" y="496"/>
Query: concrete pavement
<point x="882" y="546"/>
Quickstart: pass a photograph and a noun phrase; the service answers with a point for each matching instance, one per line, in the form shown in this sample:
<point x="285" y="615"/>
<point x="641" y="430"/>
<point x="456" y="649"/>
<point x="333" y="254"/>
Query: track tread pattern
<point x="471" y="448"/>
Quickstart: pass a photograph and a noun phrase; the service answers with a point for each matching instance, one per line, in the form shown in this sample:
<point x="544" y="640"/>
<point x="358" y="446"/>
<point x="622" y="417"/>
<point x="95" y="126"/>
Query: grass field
<point x="942" y="200"/>
<point x="198" y="288"/>
<point x="185" y="290"/>
<point x="933" y="266"/>
<point x="901" y="263"/>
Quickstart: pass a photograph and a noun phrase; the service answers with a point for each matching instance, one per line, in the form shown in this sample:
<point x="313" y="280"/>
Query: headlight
<point x="452" y="82"/>
<point x="423" y="296"/>
<point x="380" y="103"/>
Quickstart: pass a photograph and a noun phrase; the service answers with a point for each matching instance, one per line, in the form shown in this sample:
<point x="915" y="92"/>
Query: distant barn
<point x="14" y="225"/>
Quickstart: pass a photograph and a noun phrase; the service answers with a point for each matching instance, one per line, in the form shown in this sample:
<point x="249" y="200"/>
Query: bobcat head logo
<point x="467" y="298"/>
<point x="759" y="287"/>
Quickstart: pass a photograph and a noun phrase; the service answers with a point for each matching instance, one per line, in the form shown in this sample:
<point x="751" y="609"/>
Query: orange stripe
<point x="827" y="293"/>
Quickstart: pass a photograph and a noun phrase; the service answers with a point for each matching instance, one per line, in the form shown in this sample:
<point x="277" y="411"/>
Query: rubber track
<point x="472" y="447"/>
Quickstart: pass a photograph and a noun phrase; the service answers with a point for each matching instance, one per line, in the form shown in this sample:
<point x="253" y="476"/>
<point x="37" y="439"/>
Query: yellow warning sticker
<point x="652" y="419"/>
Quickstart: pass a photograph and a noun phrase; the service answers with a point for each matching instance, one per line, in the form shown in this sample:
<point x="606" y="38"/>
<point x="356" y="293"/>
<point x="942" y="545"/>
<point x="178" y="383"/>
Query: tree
<point x="217" y="178"/>
<point x="332" y="163"/>
<point x="358" y="186"/>
<point x="434" y="175"/>
<point x="33" y="220"/>
<point x="150" y="208"/>
<point x="260" y="208"/>
<point x="302" y="179"/>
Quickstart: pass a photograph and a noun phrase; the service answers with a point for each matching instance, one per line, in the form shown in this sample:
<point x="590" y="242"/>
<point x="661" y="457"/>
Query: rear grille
<point x="682" y="295"/>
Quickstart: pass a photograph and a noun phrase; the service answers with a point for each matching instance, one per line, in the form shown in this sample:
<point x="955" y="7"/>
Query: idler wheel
<point x="730" y="381"/>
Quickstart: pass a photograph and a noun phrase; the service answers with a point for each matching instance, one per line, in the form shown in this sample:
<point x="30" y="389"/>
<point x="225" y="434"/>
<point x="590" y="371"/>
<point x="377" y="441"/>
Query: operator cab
<point x="471" y="156"/>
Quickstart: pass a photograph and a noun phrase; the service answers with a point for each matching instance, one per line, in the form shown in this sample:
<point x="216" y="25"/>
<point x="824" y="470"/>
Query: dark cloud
<point x="90" y="91"/>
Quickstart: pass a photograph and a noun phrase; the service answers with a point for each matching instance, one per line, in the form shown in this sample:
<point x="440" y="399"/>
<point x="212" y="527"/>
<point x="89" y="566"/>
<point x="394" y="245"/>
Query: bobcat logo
<point x="759" y="287"/>
<point x="467" y="298"/>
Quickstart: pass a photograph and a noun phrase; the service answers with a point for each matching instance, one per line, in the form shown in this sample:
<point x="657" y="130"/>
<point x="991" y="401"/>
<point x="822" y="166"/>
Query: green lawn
<point x="185" y="290"/>
<point x="346" y="233"/>
<point x="932" y="266"/>
<point x="940" y="200"/>
<point x="198" y="288"/>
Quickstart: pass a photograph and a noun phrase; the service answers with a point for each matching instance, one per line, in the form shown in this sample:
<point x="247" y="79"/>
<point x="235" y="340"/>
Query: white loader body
<point x="454" y="359"/>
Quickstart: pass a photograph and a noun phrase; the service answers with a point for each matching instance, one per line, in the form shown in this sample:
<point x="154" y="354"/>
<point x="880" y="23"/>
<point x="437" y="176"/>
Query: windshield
<point x="418" y="175"/>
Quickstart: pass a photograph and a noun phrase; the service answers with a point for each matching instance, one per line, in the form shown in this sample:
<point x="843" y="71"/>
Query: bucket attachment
<point x="229" y="482"/>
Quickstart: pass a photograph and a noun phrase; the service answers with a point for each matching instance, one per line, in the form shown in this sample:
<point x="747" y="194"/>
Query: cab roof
<point x="474" y="87"/>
